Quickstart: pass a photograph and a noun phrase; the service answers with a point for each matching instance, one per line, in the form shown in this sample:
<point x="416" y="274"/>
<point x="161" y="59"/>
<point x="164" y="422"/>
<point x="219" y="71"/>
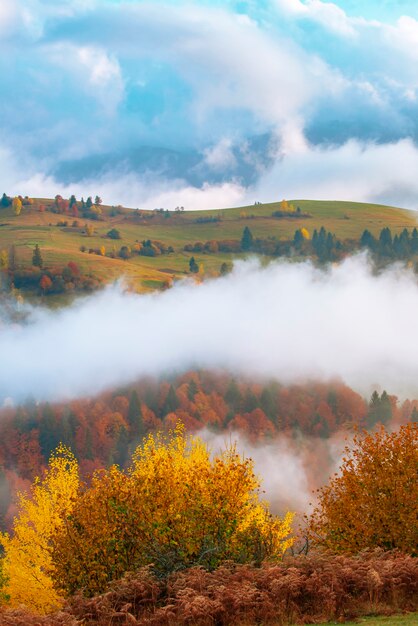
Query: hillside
<point x="61" y="234"/>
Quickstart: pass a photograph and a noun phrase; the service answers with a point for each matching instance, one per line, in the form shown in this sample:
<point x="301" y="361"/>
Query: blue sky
<point x="210" y="103"/>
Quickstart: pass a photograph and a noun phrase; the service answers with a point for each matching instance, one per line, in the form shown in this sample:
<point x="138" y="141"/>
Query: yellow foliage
<point x="102" y="251"/>
<point x="175" y="507"/>
<point x="27" y="563"/>
<point x="17" y="205"/>
<point x="305" y="233"/>
<point x="4" y="259"/>
<point x="284" y="206"/>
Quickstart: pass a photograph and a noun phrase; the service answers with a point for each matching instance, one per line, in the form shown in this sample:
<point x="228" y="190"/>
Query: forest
<point x="144" y="503"/>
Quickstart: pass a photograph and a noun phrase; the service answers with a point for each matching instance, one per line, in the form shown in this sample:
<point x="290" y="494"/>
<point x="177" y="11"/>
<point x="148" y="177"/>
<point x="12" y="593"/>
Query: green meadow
<point x="60" y="244"/>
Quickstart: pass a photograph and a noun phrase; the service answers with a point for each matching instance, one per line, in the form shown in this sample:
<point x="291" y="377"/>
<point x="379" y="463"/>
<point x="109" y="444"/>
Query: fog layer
<point x="288" y="321"/>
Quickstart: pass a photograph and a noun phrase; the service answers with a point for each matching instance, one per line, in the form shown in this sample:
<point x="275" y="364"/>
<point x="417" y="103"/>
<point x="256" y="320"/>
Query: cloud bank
<point x="150" y="103"/>
<point x="288" y="321"/>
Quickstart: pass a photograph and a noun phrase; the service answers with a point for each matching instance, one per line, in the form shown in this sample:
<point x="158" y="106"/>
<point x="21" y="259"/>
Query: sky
<point x="210" y="104"/>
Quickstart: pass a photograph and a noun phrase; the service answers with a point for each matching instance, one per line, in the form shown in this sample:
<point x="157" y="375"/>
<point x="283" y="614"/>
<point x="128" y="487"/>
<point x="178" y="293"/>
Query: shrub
<point x="174" y="508"/>
<point x="373" y="502"/>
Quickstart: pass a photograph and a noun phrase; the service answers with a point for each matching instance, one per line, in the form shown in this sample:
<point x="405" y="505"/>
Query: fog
<point x="289" y="321"/>
<point x="290" y="469"/>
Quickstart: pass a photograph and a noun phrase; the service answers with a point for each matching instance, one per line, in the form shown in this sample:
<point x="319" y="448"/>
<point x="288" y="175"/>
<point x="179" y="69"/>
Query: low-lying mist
<point x="289" y="321"/>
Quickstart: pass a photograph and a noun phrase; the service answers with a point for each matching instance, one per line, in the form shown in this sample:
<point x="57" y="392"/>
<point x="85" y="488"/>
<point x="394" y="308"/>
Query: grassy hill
<point x="61" y="244"/>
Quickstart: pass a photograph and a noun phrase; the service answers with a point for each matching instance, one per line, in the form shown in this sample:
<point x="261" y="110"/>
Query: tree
<point x="98" y="200"/>
<point x="125" y="252"/>
<point x="171" y="402"/>
<point x="17" y="205"/>
<point x="113" y="234"/>
<point x="5" y="201"/>
<point x="175" y="507"/>
<point x="367" y="240"/>
<point x="27" y="563"/>
<point x="225" y="269"/>
<point x="45" y="283"/>
<point x="372" y="502"/>
<point x="135" y="418"/>
<point x="246" y="240"/>
<point x="4" y="260"/>
<point x="193" y="266"/>
<point x="37" y="257"/>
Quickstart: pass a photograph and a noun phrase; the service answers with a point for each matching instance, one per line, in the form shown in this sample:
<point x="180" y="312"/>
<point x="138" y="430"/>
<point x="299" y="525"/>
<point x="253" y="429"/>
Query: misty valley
<point x="239" y="429"/>
<point x="208" y="312"/>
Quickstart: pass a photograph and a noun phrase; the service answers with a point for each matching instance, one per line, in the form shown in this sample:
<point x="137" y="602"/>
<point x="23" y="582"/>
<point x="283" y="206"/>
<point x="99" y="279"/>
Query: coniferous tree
<point x="37" y="257"/>
<point x="171" y="403"/>
<point x="192" y="390"/>
<point x="246" y="240"/>
<point x="268" y="403"/>
<point x="233" y="396"/>
<point x="193" y="266"/>
<point x="135" y="418"/>
<point x="5" y="201"/>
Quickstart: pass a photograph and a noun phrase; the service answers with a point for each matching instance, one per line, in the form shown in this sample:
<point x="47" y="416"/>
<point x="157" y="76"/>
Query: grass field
<point x="397" y="620"/>
<point x="60" y="245"/>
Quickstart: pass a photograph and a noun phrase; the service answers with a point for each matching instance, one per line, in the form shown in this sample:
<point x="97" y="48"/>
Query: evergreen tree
<point x="5" y="201"/>
<point x="89" y="202"/>
<point x="171" y="403"/>
<point x="268" y="403"/>
<point x="385" y="408"/>
<point x="122" y="448"/>
<point x="414" y="241"/>
<point x="250" y="402"/>
<point x="233" y="396"/>
<point x="246" y="240"/>
<point x="37" y="257"/>
<point x="193" y="266"/>
<point x="73" y="201"/>
<point x="135" y="418"/>
<point x="49" y="436"/>
<point x="298" y="239"/>
<point x="192" y="390"/>
<point x="385" y="242"/>
<point x="225" y="269"/>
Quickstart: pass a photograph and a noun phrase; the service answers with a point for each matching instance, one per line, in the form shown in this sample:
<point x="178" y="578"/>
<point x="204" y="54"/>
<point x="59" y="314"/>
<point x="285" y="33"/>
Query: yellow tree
<point x="305" y="233"/>
<point x="4" y="260"/>
<point x="17" y="205"/>
<point x="176" y="507"/>
<point x="284" y="206"/>
<point x="372" y="502"/>
<point x="27" y="563"/>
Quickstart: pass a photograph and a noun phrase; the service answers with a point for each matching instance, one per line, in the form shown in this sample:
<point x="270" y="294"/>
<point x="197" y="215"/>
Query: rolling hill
<point x="62" y="237"/>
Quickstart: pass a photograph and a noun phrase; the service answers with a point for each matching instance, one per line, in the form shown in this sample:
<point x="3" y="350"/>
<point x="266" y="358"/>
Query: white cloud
<point x="98" y="73"/>
<point x="383" y="173"/>
<point x="328" y="14"/>
<point x="220" y="155"/>
<point x="286" y="321"/>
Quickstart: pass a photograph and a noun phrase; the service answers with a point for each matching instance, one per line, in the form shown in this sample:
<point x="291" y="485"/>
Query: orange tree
<point x="175" y="507"/>
<point x="372" y="502"/>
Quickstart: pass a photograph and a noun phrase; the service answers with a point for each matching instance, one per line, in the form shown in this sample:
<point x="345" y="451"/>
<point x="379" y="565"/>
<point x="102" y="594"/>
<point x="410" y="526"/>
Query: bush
<point x="175" y="507"/>
<point x="113" y="234"/>
<point x="373" y="502"/>
<point x="301" y="590"/>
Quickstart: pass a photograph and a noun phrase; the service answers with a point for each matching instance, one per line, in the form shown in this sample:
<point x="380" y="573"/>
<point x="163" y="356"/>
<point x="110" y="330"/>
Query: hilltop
<point x="65" y="234"/>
